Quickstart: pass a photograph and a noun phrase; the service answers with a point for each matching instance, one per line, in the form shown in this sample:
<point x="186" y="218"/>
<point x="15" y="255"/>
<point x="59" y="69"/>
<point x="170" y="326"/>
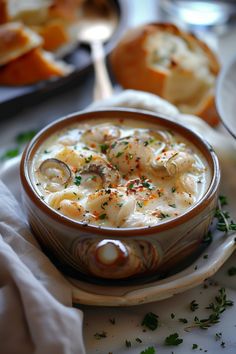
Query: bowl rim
<point x="119" y="113"/>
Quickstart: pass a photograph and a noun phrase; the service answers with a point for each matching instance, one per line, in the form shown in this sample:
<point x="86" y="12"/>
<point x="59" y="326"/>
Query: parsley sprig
<point x="223" y="217"/>
<point x="149" y="350"/>
<point x="173" y="339"/>
<point x="150" y="321"/>
<point x="217" y="307"/>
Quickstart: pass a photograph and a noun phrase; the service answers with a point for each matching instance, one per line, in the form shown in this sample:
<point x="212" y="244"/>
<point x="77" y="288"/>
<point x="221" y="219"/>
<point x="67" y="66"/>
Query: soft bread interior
<point x="185" y="66"/>
<point x="16" y="40"/>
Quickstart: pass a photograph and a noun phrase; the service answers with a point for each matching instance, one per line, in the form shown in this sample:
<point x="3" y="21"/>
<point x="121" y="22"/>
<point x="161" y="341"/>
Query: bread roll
<point x="27" y="11"/>
<point x="162" y="59"/>
<point x="16" y="40"/>
<point x="32" y="67"/>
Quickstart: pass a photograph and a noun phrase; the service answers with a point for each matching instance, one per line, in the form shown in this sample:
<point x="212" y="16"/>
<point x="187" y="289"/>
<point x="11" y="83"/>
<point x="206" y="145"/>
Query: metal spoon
<point x="98" y="22"/>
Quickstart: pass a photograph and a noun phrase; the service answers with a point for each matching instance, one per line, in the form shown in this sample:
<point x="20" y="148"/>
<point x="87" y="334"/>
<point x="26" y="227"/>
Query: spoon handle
<point x="102" y="87"/>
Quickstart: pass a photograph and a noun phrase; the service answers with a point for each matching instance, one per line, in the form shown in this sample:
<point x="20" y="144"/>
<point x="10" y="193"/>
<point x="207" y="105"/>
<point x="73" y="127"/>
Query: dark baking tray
<point x="14" y="99"/>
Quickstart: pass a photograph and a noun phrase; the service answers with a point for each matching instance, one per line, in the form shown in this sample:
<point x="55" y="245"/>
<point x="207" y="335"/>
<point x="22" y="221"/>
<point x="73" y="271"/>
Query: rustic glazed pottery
<point x="96" y="253"/>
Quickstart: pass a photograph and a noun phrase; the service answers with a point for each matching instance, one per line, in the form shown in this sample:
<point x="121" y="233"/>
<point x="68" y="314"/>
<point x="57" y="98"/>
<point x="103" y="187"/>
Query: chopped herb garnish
<point x="172" y="315"/>
<point x="88" y="159"/>
<point x="232" y="271"/>
<point x="193" y="305"/>
<point x="9" y="154"/>
<point x="120" y="153"/>
<point x="100" y="335"/>
<point x="149" y="350"/>
<point x="138" y="340"/>
<point x="130" y="186"/>
<point x="218" y="336"/>
<point x="77" y="180"/>
<point x="183" y="320"/>
<point x="223" y="217"/>
<point x="220" y="305"/>
<point x="150" y="321"/>
<point x="104" y="204"/>
<point x="102" y="216"/>
<point x="195" y="346"/>
<point x="46" y="152"/>
<point x="173" y="339"/>
<point x="104" y="148"/>
<point x="172" y="205"/>
<point x="140" y="204"/>
<point x="163" y="216"/>
<point x="127" y="343"/>
<point x="223" y="200"/>
<point x="147" y="185"/>
<point x="23" y="138"/>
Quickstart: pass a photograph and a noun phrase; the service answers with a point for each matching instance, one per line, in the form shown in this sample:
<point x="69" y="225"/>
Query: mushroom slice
<point x="172" y="163"/>
<point x="109" y="175"/>
<point x="179" y="163"/>
<point x="55" y="170"/>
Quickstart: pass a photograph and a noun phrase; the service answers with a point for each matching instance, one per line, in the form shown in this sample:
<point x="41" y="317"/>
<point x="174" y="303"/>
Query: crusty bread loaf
<point x="16" y="40"/>
<point x="162" y="59"/>
<point x="30" y="11"/>
<point x="37" y="65"/>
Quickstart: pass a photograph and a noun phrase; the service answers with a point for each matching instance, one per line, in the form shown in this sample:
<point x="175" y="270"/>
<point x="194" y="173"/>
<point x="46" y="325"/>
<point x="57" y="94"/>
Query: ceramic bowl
<point x="98" y="253"/>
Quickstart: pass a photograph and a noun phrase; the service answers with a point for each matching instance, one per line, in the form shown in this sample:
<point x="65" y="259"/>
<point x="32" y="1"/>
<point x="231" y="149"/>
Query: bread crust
<point x="131" y="68"/>
<point x="29" y="68"/>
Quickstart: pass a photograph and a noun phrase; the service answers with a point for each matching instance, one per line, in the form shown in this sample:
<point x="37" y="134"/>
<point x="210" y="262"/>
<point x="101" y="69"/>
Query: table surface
<point x="127" y="326"/>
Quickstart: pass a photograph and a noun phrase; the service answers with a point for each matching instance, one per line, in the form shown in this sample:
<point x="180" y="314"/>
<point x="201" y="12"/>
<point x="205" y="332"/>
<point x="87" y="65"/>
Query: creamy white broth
<point x="119" y="174"/>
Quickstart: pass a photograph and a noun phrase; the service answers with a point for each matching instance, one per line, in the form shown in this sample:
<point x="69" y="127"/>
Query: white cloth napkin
<point x="36" y="314"/>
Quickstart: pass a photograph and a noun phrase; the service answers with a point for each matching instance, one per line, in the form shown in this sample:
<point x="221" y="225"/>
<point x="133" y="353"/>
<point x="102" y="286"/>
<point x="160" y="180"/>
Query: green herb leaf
<point x="127" y="343"/>
<point x="223" y="223"/>
<point x="195" y="346"/>
<point x="24" y="137"/>
<point x="120" y="153"/>
<point x="88" y="159"/>
<point x="149" y="350"/>
<point x="193" y="305"/>
<point x="102" y="216"/>
<point x="9" y="154"/>
<point x="220" y="305"/>
<point x="104" y="148"/>
<point x="100" y="335"/>
<point x="173" y="339"/>
<point x="77" y="180"/>
<point x="172" y="205"/>
<point x="150" y="321"/>
<point x="183" y="320"/>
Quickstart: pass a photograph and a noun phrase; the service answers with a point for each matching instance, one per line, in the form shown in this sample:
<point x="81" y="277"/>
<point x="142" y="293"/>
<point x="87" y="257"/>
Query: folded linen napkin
<point x="36" y="314"/>
<point x="35" y="299"/>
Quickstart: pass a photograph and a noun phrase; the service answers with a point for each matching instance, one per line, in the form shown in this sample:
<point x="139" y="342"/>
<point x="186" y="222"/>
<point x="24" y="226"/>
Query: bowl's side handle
<point x="116" y="259"/>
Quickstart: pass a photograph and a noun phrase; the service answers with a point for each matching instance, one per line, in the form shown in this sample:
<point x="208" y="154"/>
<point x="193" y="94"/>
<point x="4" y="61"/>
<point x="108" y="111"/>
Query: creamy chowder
<point x="119" y="174"/>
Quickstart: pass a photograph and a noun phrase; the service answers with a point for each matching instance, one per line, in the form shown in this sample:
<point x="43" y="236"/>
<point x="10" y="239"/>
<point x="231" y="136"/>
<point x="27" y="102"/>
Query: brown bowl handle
<point x="117" y="259"/>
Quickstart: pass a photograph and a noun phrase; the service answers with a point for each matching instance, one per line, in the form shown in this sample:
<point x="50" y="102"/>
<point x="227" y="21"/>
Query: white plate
<point x="92" y="294"/>
<point x="226" y="94"/>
